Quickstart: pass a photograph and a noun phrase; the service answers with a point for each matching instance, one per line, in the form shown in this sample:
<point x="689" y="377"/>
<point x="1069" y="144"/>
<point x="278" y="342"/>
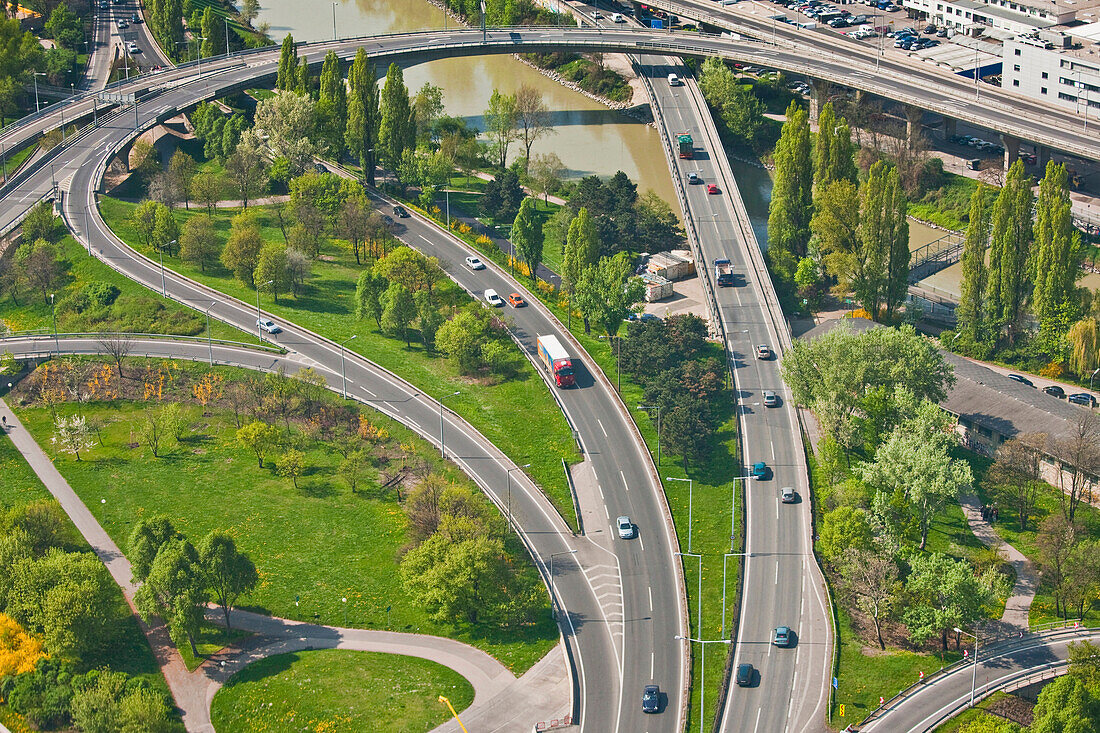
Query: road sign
<point x="835" y="684"/>
<point x="116" y="97"/>
<point x="656" y="23"/>
<point x="842" y="710"/>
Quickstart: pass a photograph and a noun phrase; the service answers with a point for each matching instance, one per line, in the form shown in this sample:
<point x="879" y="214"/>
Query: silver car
<point x="626" y="527"/>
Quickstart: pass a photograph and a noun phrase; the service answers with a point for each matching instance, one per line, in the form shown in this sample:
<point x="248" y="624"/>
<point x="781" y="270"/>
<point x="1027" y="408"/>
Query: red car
<point x="711" y="188"/>
<point x="516" y="300"/>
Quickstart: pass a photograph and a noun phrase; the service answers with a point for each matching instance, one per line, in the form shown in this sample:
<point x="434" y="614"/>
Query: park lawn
<point x="127" y="651"/>
<point x="210" y="640"/>
<point x="136" y="310"/>
<point x="14" y="160"/>
<point x="338" y="689"/>
<point x="312" y="545"/>
<point x="949" y="205"/>
<point x="518" y="415"/>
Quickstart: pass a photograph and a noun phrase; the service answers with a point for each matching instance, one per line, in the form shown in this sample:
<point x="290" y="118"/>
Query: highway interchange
<point x="623" y="612"/>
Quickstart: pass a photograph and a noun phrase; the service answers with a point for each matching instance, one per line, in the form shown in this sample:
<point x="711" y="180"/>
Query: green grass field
<point x="312" y="545"/>
<point x="339" y="690"/>
<point x="519" y="416"/>
<point x="137" y="309"/>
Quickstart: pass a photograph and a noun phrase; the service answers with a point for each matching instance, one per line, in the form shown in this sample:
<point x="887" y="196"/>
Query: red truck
<point x="556" y="360"/>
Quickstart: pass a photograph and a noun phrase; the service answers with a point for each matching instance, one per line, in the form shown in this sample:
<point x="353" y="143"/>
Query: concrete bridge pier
<point x="818" y="98"/>
<point x="950" y="127"/>
<point x="914" y="116"/>
<point x="1012" y="149"/>
<point x="1042" y="155"/>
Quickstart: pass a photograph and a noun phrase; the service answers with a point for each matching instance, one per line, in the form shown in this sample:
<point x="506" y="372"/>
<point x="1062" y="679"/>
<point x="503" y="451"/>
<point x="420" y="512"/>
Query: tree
<point x="791" y="203"/>
<point x="397" y="128"/>
<point x="883" y="238"/>
<point x="332" y="105"/>
<point x="456" y="582"/>
<point x="582" y="248"/>
<point x="144" y="220"/>
<point x="199" y="244"/>
<point x="40" y="223"/>
<point x="545" y="173"/>
<point x="355" y="223"/>
<point x="871" y="579"/>
<point x="249" y="10"/>
<point x="527" y="235"/>
<point x="503" y="196"/>
<point x="288" y="121"/>
<point x="1055" y="541"/>
<point x="532" y="119"/>
<point x="38" y="266"/>
<point x="607" y="294"/>
<point x="971" y="310"/>
<point x="144" y="711"/>
<point x="1084" y="346"/>
<point x="835" y="227"/>
<point x="1057" y="253"/>
<point x="287" y="77"/>
<point x="166" y="232"/>
<point x="181" y="171"/>
<point x="352" y="467"/>
<point x="227" y="571"/>
<point x="145" y="542"/>
<point x="1016" y="474"/>
<point x="1079" y="454"/>
<point x="368" y="296"/>
<point x="95" y="707"/>
<point x="834" y="158"/>
<point x="65" y="27"/>
<point x="206" y="189"/>
<point x="398" y="310"/>
<point x="241" y="253"/>
<point x="298" y="270"/>
<point x="427" y="107"/>
<point x="500" y="121"/>
<point x="72" y="435"/>
<point x="19" y="651"/>
<point x="1009" y="252"/>
<point x="460" y="338"/>
<point x="245" y="166"/>
<point x="428" y="317"/>
<point x="1065" y="706"/>
<point x="258" y="437"/>
<point x="944" y="594"/>
<point x="213" y="32"/>
<point x="842" y="529"/>
<point x="271" y="268"/>
<point x="364" y="115"/>
<point x="174" y="590"/>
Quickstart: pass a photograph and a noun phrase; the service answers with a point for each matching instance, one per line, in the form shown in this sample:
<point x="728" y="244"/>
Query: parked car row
<point x="1079" y="398"/>
<point x="977" y="143"/>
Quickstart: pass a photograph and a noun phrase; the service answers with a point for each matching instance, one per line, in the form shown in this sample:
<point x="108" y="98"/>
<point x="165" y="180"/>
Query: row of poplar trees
<point x="1022" y="256"/>
<point x="375" y="127"/>
<point x="823" y="223"/>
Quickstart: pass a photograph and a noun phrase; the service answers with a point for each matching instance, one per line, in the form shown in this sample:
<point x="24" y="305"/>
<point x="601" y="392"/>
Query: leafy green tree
<point x="835" y="227"/>
<point x="166" y="230"/>
<point x="39" y="267"/>
<point x="368" y="296"/>
<point x="1016" y="477"/>
<point x="607" y="294"/>
<point x="460" y="339"/>
<point x="500" y="121"/>
<point x="1066" y="706"/>
<point x="398" y="310"/>
<point x="65" y="27"/>
<point x="271" y="273"/>
<point x="144" y="711"/>
<point x="503" y="196"/>
<point x="288" y="121"/>
<point x="943" y="594"/>
<point x="427" y="107"/>
<point x="96" y="707"/>
<point x="364" y="115"/>
<point x="20" y="52"/>
<point x="971" y="310"/>
<point x="842" y="529"/>
<point x="791" y="204"/>
<point x="1057" y="253"/>
<point x="883" y="237"/>
<point x="1010" y="248"/>
<point x="397" y="129"/>
<point x="834" y="156"/>
<point x="174" y="590"/>
<point x="411" y="269"/>
<point x="527" y="235"/>
<point x="739" y="109"/>
<point x="145" y="541"/>
<point x="302" y="86"/>
<point x="287" y="77"/>
<point x="686" y="427"/>
<point x="227" y="572"/>
<point x="241" y="253"/>
<point x="332" y="106"/>
<point x="213" y="32"/>
<point x="582" y="249"/>
<point x="1083" y="339"/>
<point x="245" y="165"/>
<point x="260" y="438"/>
<point x="456" y="582"/>
<point x="871" y="580"/>
<point x="428" y="317"/>
<point x="41" y="223"/>
<point x="199" y="244"/>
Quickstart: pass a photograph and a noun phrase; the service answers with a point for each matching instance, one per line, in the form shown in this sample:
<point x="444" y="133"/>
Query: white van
<point x="618" y="18"/>
<point x="493" y="299"/>
<point x="673" y="80"/>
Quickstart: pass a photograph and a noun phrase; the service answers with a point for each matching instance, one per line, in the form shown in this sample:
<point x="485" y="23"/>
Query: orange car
<point x="516" y="300"/>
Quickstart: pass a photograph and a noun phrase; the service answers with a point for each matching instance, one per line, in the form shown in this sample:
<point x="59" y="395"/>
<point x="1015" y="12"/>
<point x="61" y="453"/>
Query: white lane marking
<point x="754" y="728"/>
<point x="607" y="512"/>
<point x="777" y="572"/>
<point x="372" y="394"/>
<point x="601" y="427"/>
<point x="777" y="508"/>
<point x="650" y="589"/>
<point x="601" y="492"/>
<point x="415" y="425"/>
<point x="651" y="662"/>
<point x="641" y="542"/>
<point x="427" y="241"/>
<point x="625" y="485"/>
<point x="773" y="452"/>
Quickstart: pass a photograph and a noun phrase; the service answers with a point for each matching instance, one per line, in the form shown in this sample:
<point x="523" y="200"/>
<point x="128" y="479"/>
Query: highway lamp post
<point x="977" y="75"/>
<point x="699" y="600"/>
<point x="209" y="338"/>
<point x="343" y="374"/>
<point x="974" y="669"/>
<point x="703" y="672"/>
<point x="198" y="52"/>
<point x="226" y="19"/>
<point x="72" y="89"/>
<point x="259" y="333"/>
<point x="691" y="485"/>
<point x="658" y="408"/>
<point x="442" y="446"/>
<point x="1094" y="371"/>
<point x="53" y="312"/>
<point x="726" y="557"/>
<point x="334" y="36"/>
<point x="509" y="483"/>
<point x="36" y="75"/>
<point x="163" y="289"/>
<point x="553" y="598"/>
<point x="87" y="228"/>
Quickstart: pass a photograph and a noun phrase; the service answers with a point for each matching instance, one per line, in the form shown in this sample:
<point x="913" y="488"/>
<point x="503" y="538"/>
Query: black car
<point x="1021" y="379"/>
<point x="400" y="212"/>
<point x="1055" y="391"/>
<point x="135" y="18"/>
<point x="651" y="699"/>
<point x="1082" y="398"/>
<point x="744" y="675"/>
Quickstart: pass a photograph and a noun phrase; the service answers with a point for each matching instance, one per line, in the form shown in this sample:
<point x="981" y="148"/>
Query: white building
<point x="1070" y="79"/>
<point x="1011" y="16"/>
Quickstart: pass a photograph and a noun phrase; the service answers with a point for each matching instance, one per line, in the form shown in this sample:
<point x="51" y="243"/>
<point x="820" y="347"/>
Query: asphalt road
<point x="783" y="585"/>
<point x="620" y="646"/>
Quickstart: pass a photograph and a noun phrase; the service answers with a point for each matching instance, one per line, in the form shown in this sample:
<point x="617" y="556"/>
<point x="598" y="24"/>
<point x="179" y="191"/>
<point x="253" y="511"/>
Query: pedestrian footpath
<point x="1027" y="579"/>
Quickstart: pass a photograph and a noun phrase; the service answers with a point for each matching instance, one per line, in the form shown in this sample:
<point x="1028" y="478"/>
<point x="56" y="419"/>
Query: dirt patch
<point x="1016" y="709"/>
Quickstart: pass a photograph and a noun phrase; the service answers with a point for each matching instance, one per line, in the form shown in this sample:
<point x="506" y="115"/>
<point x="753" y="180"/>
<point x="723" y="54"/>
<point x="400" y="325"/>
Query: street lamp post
<point x="226" y="19"/>
<point x="703" y="672"/>
<point x="1094" y="371"/>
<point x="442" y="447"/>
<point x="658" y="408"/>
<point x="553" y="598"/>
<point x="343" y="374"/>
<point x="36" y="75"/>
<point x="334" y="36"/>
<point x="163" y="289"/>
<point x="974" y="669"/>
<point x="345" y="602"/>
<point x="509" y="482"/>
<point x="699" y="601"/>
<point x="691" y="485"/>
<point x="259" y="333"/>
<point x="53" y="311"/>
<point x="209" y="338"/>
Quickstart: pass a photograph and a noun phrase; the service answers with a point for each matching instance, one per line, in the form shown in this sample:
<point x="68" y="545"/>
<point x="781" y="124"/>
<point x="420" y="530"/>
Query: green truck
<point x="687" y="149"/>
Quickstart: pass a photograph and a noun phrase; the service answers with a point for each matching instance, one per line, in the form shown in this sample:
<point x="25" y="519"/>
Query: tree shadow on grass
<point x="317" y="489"/>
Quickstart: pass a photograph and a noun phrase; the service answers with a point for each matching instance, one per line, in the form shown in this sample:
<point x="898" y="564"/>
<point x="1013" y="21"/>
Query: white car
<point x="268" y="325"/>
<point x="474" y="263"/>
<point x="763" y="352"/>
<point x="493" y="299"/>
<point x="625" y="527"/>
<point x="132" y="47"/>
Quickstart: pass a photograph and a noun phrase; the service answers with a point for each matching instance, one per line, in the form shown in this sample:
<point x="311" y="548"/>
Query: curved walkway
<point x="1019" y="601"/>
<point x="500" y="699"/>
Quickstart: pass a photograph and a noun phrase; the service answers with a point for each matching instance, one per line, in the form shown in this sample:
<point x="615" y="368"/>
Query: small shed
<point x="675" y="265"/>
<point x="656" y="287"/>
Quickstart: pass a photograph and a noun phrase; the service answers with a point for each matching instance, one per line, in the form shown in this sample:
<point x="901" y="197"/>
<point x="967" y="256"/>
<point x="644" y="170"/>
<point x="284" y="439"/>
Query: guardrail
<point x="39" y="333"/>
<point x="573" y="493"/>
